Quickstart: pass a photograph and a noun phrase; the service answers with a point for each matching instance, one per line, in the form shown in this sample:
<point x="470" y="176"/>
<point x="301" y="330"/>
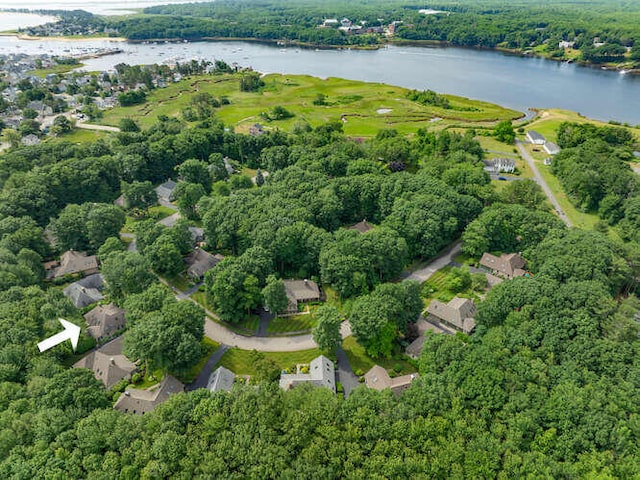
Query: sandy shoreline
<point x="63" y="39"/>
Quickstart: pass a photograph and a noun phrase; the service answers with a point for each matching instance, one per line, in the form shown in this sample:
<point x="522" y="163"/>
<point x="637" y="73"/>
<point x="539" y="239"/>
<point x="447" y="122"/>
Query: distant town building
<point x="256" y="130"/>
<point x="547" y="161"/>
<point x="322" y="373"/>
<point x="535" y="138"/>
<point x="330" y="22"/>
<point x="564" y="45"/>
<point x="301" y="291"/>
<point x="378" y="379"/>
<point x="108" y="364"/>
<point x="458" y="313"/>
<point x="139" y="402"/>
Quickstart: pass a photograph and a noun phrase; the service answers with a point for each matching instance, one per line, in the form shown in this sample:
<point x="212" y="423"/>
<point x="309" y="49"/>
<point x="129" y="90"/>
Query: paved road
<point x="203" y="377"/>
<point x="540" y="181"/>
<point x="424" y="273"/>
<point x="345" y="374"/>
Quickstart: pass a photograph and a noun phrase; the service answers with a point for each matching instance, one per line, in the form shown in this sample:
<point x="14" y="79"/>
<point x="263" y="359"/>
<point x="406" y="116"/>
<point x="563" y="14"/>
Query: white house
<point x="535" y="138"/>
<point x="551" y="148"/>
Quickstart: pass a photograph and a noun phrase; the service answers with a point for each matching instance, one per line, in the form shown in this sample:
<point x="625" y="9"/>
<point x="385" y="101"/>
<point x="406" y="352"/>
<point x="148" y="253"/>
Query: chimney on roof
<point x="112" y="361"/>
<point x="306" y="281"/>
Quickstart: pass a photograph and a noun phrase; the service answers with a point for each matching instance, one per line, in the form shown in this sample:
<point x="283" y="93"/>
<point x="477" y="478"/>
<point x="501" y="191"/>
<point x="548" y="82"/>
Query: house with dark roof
<point x="321" y="373"/>
<point x="108" y="364"/>
<point x="458" y="313"/>
<point x="72" y="262"/>
<point x="104" y="321"/>
<point x="200" y="261"/>
<point x="508" y="265"/>
<point x="165" y="190"/>
<point x="300" y="291"/>
<point x="85" y="291"/>
<point x="256" y="130"/>
<point x="535" y="138"/>
<point x="361" y="227"/>
<point x="378" y="379"/>
<point x="221" y="379"/>
<point x="139" y="402"/>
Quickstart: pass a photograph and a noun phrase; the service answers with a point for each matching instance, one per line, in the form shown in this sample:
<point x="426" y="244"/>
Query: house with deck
<point x="321" y="373"/>
<point x="507" y="265"/>
<point x="85" y="291"/>
<point x="139" y="402"/>
<point x="108" y="364"/>
<point x="72" y="262"/>
<point x="104" y="321"/>
<point x="378" y="379"/>
<point x="300" y="291"/>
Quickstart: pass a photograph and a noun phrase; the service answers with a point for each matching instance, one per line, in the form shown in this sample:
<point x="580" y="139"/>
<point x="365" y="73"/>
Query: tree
<point x="275" y="295"/>
<point x="125" y="273"/>
<point x="164" y="256"/>
<point x="327" y="332"/>
<point x="168" y="338"/>
<point x="259" y="178"/>
<point x="111" y="245"/>
<point x="250" y="82"/>
<point x="195" y="171"/>
<point x="103" y="221"/>
<point x="138" y="194"/>
<point x="504" y="132"/>
<point x="61" y="125"/>
<point x="128" y="125"/>
<point x="187" y="197"/>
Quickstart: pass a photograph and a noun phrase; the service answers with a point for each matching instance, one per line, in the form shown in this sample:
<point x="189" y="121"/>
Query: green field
<point x="59" y="69"/>
<point x="361" y="106"/>
<point x="240" y="362"/>
<point x="295" y="323"/>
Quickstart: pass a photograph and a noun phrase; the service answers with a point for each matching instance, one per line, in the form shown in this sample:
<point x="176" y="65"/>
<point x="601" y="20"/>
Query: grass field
<point x="296" y="323"/>
<point x="549" y="120"/>
<point x="81" y="135"/>
<point x="361" y="362"/>
<point x="59" y="69"/>
<point x="357" y="103"/>
<point x="240" y="362"/>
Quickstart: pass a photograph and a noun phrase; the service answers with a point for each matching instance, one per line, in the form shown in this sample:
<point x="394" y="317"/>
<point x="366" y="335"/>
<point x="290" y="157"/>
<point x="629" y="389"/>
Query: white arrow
<point x="71" y="332"/>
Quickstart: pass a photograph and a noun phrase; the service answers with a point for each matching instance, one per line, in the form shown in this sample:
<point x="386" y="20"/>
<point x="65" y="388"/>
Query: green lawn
<point x="201" y="298"/>
<point x="82" y="135"/>
<point x="42" y="73"/>
<point x="180" y="281"/>
<point x="240" y="361"/>
<point x="160" y="211"/>
<point x="296" y="323"/>
<point x="361" y="362"/>
<point x="208" y="347"/>
<point x="436" y="288"/>
<point x="358" y="103"/>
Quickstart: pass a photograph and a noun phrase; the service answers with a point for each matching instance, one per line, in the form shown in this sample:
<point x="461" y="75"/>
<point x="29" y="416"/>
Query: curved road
<point x="442" y="260"/>
<point x="540" y="181"/>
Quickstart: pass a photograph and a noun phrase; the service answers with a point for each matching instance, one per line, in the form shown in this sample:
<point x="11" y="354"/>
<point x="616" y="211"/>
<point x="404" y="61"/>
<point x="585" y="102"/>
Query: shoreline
<point x="78" y="38"/>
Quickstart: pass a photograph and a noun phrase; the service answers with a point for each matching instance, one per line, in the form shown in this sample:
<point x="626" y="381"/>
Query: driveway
<point x="540" y="181"/>
<point x="422" y="274"/>
<point x="345" y="374"/>
<point x="203" y="377"/>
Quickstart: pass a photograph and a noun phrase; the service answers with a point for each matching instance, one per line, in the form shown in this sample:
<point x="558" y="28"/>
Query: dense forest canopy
<point x="547" y="386"/>
<point x="600" y="31"/>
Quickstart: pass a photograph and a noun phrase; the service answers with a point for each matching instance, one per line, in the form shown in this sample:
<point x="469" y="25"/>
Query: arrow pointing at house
<point x="71" y="332"/>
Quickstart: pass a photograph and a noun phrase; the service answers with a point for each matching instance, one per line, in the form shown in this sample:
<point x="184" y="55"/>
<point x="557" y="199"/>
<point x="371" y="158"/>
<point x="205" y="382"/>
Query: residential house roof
<point x="165" y="190"/>
<point x="534" y="136"/>
<point x="104" y="320"/>
<point x="551" y="148"/>
<point x="459" y="313"/>
<point x="322" y="373"/>
<point x="361" y="227"/>
<point x="86" y="291"/>
<point x="221" y="379"/>
<point x="74" y="262"/>
<point x="137" y="401"/>
<point x="301" y="291"/>
<point x="108" y="363"/>
<point x="509" y="264"/>
<point x="200" y="261"/>
<point x="378" y="379"/>
<point x="197" y="234"/>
